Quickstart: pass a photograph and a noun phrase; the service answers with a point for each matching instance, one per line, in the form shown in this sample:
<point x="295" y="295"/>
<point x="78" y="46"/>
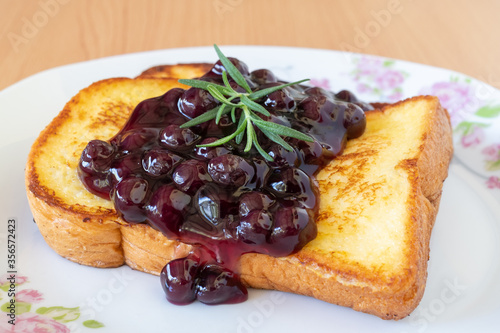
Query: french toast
<point x="378" y="202"/>
<point x="176" y="71"/>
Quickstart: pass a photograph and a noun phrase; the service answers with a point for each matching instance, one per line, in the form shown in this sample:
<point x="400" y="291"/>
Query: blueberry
<point x="293" y="228"/>
<point x="346" y="96"/>
<point x="309" y="152"/>
<point x="218" y="68"/>
<point x="318" y="92"/>
<point x="207" y="153"/>
<point x="147" y="113"/>
<point x="218" y="285"/>
<point x="295" y="183"/>
<point x="282" y="157"/>
<point x="280" y="100"/>
<point x="97" y="156"/>
<point x="94" y="165"/>
<point x="98" y="184"/>
<point x="214" y="204"/>
<point x="309" y="109"/>
<point x="125" y="166"/>
<point x="263" y="76"/>
<point x="171" y="98"/>
<point x="137" y="139"/>
<point x="318" y="110"/>
<point x="254" y="200"/>
<point x="179" y="280"/>
<point x="230" y="170"/>
<point x="354" y="121"/>
<point x="166" y="210"/>
<point x="196" y="101"/>
<point x="178" y="139"/>
<point x="129" y="197"/>
<point x="190" y="175"/>
<point x="159" y="162"/>
<point x="254" y="227"/>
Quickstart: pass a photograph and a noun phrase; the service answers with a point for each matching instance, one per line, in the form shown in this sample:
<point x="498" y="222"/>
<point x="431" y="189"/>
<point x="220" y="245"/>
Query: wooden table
<point x="462" y="35"/>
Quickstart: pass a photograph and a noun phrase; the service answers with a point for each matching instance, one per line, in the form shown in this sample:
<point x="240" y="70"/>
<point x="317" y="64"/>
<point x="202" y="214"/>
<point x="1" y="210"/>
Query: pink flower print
<point x="493" y="182"/>
<point x="19" y="279"/>
<point x="363" y="88"/>
<point x="368" y="66"/>
<point x="33" y="323"/>
<point x="389" y="79"/>
<point x="321" y="83"/>
<point x="377" y="77"/>
<point x="492" y="152"/>
<point x="395" y="96"/>
<point x="29" y="296"/>
<point x="474" y="138"/>
<point x="457" y="97"/>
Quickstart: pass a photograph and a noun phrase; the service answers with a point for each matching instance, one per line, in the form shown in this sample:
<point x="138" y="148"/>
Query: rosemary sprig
<point x="232" y="100"/>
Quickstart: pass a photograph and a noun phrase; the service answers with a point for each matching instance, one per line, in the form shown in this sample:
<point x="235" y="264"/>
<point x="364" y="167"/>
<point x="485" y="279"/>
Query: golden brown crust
<point x="139" y="253"/>
<point x="176" y="71"/>
<point x="96" y="236"/>
<point x="83" y="238"/>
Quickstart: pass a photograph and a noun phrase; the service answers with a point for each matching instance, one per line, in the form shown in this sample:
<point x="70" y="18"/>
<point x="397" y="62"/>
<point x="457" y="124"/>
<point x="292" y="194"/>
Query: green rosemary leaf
<point x="282" y="130"/>
<point x="202" y="84"/>
<point x="239" y="137"/>
<point x="232" y="70"/>
<point x="276" y="138"/>
<point x="209" y="115"/>
<point x="218" y="142"/>
<point x="225" y="80"/>
<point x="254" y="106"/>
<point x="233" y="114"/>
<point x="259" y="148"/>
<point x="261" y="93"/>
<point x="226" y="139"/>
<point x="250" y="136"/>
<point x="220" y="112"/>
<point x="218" y="95"/>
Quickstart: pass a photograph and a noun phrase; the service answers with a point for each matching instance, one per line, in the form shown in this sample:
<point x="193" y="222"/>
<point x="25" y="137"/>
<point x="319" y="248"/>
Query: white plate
<point x="462" y="290"/>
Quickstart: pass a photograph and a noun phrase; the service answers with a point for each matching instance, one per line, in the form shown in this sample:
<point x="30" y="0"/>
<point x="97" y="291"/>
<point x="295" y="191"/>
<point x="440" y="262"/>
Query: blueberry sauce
<point x="220" y="199"/>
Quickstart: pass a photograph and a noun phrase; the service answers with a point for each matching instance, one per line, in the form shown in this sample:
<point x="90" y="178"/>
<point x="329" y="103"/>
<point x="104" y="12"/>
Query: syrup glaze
<point x="222" y="200"/>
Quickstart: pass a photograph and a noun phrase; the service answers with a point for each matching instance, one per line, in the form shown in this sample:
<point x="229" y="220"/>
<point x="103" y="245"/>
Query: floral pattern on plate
<point x="472" y="118"/>
<point x="52" y="319"/>
<point x="378" y="77"/>
<point x="456" y="95"/>
<point x="321" y="83"/>
<point x="492" y="156"/>
<point x="473" y="123"/>
<point x="492" y="163"/>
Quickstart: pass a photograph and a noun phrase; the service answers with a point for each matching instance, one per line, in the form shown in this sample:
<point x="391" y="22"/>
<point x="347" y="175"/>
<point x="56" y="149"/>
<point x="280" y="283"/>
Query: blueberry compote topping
<point x="220" y="199"/>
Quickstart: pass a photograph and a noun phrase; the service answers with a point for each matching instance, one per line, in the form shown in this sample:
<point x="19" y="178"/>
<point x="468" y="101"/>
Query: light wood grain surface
<point x="461" y="35"/>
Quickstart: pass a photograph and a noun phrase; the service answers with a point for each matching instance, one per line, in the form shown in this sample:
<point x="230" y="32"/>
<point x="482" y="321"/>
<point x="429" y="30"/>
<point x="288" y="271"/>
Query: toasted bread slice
<point x="176" y="71"/>
<point x="377" y="207"/>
